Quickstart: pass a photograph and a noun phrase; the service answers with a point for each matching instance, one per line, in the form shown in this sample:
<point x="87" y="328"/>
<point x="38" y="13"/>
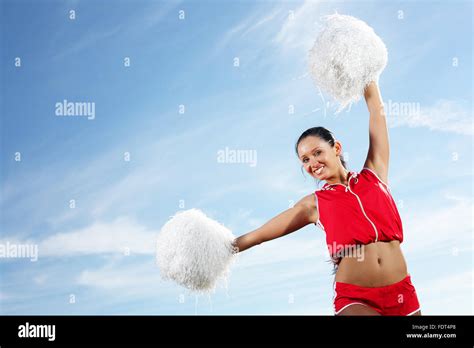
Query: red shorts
<point x="395" y="299"/>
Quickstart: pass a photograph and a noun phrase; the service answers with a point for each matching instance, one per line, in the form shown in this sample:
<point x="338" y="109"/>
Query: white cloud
<point x="143" y="276"/>
<point x="115" y="276"/>
<point x="231" y="34"/>
<point x="300" y="28"/>
<point x="250" y="24"/>
<point x="120" y="236"/>
<point x="449" y="295"/>
<point x="251" y="36"/>
<point x="269" y="267"/>
<point x="263" y="20"/>
<point x="430" y="230"/>
<point x="444" y="115"/>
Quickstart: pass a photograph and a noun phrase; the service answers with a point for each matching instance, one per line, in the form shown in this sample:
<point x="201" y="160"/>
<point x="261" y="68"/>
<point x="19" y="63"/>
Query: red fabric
<point x="342" y="217"/>
<point x="395" y="299"/>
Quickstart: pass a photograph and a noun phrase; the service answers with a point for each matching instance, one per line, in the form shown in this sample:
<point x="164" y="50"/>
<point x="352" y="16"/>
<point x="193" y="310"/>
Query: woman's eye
<point x="305" y="160"/>
<point x="317" y="152"/>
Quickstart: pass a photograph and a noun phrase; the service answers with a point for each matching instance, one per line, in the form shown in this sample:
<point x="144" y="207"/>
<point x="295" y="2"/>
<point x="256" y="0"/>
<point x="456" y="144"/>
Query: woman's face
<point x="318" y="157"/>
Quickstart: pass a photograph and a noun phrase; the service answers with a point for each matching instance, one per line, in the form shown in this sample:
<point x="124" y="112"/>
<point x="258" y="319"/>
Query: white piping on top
<point x="321" y="225"/>
<point x="317" y="208"/>
<point x="348" y="187"/>
<point x="383" y="182"/>
<point x="329" y="186"/>
<point x="363" y="211"/>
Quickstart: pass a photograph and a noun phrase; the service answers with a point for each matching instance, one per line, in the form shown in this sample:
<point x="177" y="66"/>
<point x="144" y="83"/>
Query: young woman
<point x="359" y="216"/>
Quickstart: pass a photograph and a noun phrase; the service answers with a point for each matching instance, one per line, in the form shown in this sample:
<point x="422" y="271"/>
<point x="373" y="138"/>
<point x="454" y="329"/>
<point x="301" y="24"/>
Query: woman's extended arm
<point x="301" y="214"/>
<point x="379" y="148"/>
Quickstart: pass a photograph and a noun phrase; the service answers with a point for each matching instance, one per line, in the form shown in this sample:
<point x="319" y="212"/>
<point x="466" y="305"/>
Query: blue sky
<point x="101" y="253"/>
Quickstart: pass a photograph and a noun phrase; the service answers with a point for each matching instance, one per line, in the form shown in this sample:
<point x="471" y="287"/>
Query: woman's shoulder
<point x="308" y="201"/>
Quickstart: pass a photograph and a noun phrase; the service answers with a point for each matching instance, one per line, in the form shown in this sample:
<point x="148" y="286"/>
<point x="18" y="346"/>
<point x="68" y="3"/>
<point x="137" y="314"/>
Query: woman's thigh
<point x="358" y="309"/>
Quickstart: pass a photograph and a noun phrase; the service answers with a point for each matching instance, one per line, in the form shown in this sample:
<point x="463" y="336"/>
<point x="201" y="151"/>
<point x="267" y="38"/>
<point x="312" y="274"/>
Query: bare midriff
<point x="376" y="264"/>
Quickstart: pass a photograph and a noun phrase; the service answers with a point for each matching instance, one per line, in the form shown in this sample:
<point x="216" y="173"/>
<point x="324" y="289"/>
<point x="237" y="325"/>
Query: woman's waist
<point x="373" y="265"/>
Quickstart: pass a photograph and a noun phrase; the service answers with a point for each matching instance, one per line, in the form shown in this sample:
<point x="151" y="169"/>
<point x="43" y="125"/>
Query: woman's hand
<point x="301" y="214"/>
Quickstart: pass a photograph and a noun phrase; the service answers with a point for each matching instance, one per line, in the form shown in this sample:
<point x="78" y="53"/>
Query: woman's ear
<point x="338" y="147"/>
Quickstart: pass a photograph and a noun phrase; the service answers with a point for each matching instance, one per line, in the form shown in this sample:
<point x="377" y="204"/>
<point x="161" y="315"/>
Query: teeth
<point x="319" y="170"/>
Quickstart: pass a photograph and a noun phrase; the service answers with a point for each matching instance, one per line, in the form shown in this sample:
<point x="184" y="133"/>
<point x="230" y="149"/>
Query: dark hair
<point x="321" y="133"/>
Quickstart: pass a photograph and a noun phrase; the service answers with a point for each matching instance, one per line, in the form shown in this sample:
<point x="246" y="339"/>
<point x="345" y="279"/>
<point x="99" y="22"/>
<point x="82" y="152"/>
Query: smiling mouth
<point x="319" y="170"/>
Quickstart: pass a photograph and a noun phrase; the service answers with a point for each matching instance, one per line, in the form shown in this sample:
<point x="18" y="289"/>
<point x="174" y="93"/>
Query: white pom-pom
<point x="194" y="250"/>
<point x="347" y="55"/>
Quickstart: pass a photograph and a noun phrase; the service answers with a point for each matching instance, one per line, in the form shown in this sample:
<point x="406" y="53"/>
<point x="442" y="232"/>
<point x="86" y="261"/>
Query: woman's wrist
<point x="235" y="247"/>
<point x="371" y="90"/>
<point x="373" y="98"/>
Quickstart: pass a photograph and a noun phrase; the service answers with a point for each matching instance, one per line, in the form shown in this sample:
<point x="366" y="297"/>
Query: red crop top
<point x="362" y="212"/>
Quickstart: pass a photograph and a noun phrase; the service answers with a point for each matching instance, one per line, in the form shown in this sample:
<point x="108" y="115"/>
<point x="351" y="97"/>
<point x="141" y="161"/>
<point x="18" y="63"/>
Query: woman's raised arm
<point x="301" y="214"/>
<point x="379" y="148"/>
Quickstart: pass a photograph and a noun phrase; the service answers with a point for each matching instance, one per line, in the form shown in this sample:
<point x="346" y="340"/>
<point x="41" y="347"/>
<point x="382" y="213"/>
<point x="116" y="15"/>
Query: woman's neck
<point x="341" y="177"/>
